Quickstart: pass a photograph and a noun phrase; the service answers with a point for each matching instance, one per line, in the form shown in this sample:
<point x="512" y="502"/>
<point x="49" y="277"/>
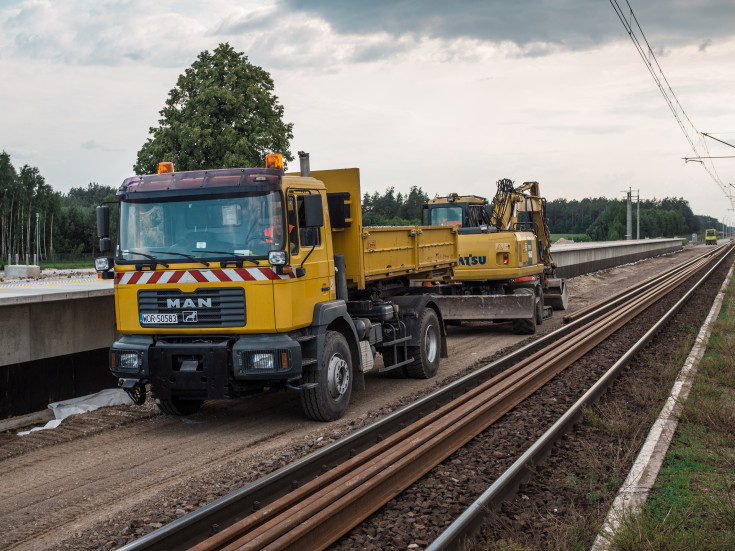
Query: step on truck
<point x="232" y="281"/>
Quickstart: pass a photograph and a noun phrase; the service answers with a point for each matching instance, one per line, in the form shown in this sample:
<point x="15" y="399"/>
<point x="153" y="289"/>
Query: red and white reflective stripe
<point x="199" y="276"/>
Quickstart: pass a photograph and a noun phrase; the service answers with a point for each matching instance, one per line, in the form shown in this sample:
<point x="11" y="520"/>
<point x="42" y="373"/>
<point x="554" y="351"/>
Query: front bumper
<point x="206" y="368"/>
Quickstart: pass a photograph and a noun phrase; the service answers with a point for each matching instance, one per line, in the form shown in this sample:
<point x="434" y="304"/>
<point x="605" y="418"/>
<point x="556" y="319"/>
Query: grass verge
<point x="692" y="505"/>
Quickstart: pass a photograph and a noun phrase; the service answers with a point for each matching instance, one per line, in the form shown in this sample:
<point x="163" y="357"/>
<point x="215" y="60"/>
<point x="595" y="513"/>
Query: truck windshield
<point x="245" y="226"/>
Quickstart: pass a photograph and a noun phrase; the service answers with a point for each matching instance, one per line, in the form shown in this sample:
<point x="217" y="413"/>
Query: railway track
<point x="311" y="503"/>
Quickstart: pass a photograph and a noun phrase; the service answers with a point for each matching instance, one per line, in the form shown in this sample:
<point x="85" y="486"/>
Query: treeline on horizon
<point x="35" y="218"/>
<point x="600" y="219"/>
<point x="67" y="222"/>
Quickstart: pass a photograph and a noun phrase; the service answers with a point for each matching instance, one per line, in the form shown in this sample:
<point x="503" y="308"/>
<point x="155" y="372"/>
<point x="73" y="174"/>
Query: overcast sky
<point x="449" y="96"/>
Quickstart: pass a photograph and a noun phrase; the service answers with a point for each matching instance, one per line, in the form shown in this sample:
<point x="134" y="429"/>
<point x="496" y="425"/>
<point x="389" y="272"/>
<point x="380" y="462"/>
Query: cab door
<point x="297" y="296"/>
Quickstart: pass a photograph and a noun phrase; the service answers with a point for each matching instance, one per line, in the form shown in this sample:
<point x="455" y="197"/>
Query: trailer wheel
<point x="427" y="354"/>
<point x="328" y="400"/>
<point x="179" y="406"/>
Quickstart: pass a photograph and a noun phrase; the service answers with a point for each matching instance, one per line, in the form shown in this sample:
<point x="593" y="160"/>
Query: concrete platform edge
<point x="643" y="474"/>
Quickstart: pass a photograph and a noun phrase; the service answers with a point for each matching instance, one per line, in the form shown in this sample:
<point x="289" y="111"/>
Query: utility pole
<point x="38" y="256"/>
<point x="629" y="234"/>
<point x="638" y="214"/>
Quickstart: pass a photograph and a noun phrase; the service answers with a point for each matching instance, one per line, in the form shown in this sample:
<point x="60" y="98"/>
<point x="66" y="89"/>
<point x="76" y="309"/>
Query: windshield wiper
<point x="238" y="256"/>
<point x="154" y="261"/>
<point x="189" y="256"/>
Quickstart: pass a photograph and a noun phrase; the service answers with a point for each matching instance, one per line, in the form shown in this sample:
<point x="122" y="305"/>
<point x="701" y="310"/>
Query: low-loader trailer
<point x="231" y="281"/>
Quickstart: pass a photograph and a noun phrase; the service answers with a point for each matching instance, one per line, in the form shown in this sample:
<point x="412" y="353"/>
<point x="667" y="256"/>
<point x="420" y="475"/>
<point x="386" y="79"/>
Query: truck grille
<point x="203" y="308"/>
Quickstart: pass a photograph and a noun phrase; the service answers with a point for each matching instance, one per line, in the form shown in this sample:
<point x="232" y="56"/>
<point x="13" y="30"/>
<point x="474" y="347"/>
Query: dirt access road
<point x="103" y="478"/>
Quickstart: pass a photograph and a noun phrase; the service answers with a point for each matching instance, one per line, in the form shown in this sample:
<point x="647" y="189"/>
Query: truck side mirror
<point x="103" y="221"/>
<point x="105" y="245"/>
<point x="313" y="211"/>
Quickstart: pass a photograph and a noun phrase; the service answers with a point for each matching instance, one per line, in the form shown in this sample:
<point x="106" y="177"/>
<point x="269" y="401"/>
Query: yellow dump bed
<point x="383" y="252"/>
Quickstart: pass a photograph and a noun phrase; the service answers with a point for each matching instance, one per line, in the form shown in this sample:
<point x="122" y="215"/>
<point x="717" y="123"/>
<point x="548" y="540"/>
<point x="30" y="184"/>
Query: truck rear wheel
<point x="328" y="400"/>
<point x="427" y="354"/>
<point x="179" y="406"/>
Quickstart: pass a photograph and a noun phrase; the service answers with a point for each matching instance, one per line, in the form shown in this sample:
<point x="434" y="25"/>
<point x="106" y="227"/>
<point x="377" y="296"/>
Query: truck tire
<point x="427" y="354"/>
<point x="179" y="406"/>
<point x="539" y="309"/>
<point x="328" y="400"/>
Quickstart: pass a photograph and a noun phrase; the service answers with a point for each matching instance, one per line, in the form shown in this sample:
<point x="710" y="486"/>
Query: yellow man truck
<point x="505" y="270"/>
<point x="231" y="281"/>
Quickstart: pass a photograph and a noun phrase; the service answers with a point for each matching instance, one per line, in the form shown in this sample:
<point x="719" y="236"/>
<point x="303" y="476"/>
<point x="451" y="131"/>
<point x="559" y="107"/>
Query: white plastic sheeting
<point x="83" y="404"/>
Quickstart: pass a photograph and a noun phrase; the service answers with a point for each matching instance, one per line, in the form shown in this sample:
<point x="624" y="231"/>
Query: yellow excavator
<point x="505" y="271"/>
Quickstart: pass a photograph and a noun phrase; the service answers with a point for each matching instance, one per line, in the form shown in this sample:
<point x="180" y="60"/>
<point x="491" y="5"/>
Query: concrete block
<point x="19" y="270"/>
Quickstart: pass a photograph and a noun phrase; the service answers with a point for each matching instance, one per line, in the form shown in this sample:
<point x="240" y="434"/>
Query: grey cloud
<point x="383" y="50"/>
<point x="81" y="33"/>
<point x="571" y="24"/>
<point x="260" y="22"/>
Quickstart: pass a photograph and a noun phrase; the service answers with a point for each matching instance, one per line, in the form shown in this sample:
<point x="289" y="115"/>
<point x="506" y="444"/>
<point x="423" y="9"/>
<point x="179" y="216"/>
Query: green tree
<point x="390" y="209"/>
<point x="78" y="220"/>
<point x="611" y="224"/>
<point x="412" y="203"/>
<point x="9" y="196"/>
<point x="222" y="114"/>
<point x="91" y="196"/>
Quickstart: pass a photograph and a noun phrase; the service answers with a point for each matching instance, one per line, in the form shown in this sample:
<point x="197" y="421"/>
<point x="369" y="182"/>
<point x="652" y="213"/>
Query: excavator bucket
<point x="555" y="295"/>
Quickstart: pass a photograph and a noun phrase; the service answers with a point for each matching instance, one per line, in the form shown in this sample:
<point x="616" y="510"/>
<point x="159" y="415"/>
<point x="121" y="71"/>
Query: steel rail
<point x="192" y="528"/>
<point x="647" y="283"/>
<point x="321" y="511"/>
<point x="469" y="523"/>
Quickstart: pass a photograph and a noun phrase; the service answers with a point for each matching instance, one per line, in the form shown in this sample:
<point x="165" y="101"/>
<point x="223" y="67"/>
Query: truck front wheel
<point x="427" y="353"/>
<point x="178" y="406"/>
<point x="328" y="400"/>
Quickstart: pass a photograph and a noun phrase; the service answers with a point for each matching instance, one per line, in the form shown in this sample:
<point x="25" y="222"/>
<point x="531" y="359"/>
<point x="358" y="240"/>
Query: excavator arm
<point x="509" y="202"/>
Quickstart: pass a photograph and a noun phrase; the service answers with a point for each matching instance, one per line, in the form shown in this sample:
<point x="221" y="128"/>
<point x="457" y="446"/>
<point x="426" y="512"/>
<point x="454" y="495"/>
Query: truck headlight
<point x="103" y="263"/>
<point x="127" y="361"/>
<point x="278" y="258"/>
<point x="262" y="361"/>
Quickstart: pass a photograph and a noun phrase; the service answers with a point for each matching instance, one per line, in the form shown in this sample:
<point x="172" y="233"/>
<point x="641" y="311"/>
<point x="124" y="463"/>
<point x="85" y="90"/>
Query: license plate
<point x="157" y="319"/>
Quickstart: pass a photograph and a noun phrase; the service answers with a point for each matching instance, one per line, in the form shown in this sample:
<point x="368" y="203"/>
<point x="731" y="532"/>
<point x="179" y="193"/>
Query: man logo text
<point x="188" y="303"/>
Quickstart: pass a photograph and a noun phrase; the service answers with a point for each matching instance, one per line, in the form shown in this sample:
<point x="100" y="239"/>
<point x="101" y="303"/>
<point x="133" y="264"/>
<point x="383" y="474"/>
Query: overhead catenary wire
<point x="698" y="144"/>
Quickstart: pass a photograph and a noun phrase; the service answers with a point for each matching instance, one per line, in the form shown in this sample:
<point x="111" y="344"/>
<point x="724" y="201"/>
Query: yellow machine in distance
<point x="505" y="269"/>
<point x="710" y="237"/>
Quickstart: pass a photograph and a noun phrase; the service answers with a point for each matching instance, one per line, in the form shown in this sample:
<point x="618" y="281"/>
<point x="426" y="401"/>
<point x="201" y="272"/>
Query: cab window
<point x="292" y="224"/>
<point x="309" y="237"/>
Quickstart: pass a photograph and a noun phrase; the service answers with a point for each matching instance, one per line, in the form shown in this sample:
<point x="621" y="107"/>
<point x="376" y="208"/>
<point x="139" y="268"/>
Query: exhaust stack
<point x="304" y="160"/>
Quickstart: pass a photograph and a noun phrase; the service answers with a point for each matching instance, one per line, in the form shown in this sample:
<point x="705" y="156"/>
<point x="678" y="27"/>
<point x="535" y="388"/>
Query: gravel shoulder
<point x="103" y="478"/>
